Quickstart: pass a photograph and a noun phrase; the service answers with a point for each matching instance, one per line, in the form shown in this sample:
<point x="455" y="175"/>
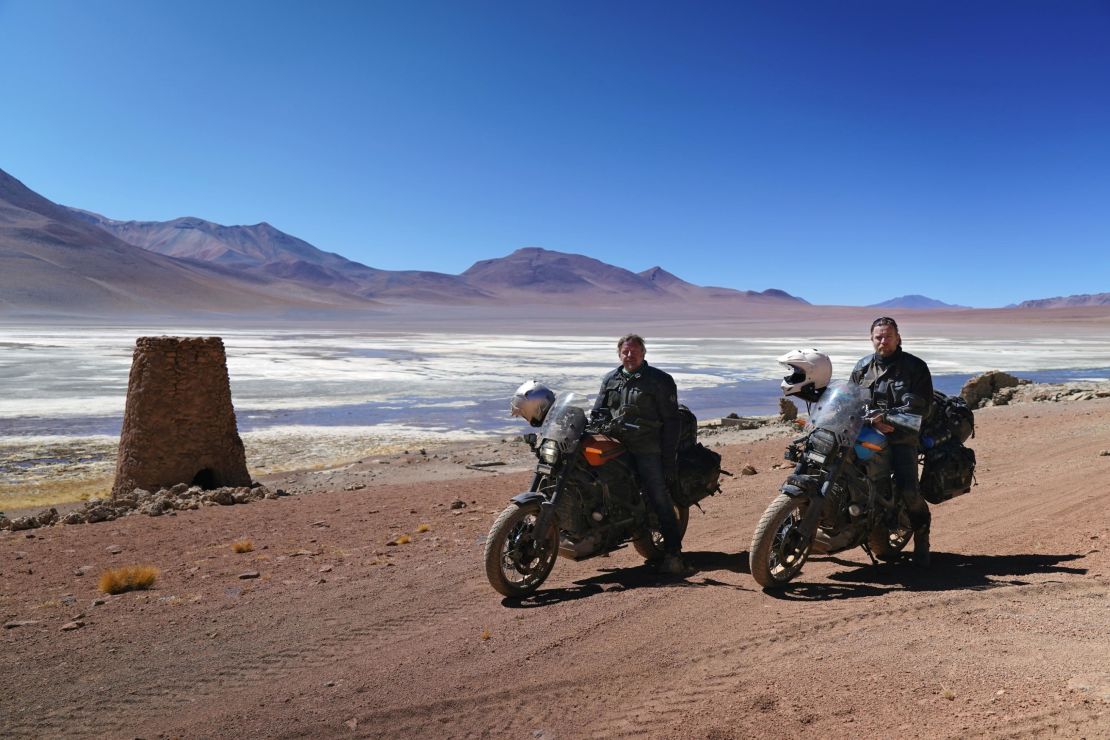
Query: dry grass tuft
<point x="486" y="634"/>
<point x="424" y="528"/>
<point x="242" y="546"/>
<point x="130" y="578"/>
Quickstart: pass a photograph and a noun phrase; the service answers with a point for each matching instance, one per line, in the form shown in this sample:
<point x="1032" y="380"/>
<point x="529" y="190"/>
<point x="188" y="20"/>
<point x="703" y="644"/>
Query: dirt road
<point x="324" y="629"/>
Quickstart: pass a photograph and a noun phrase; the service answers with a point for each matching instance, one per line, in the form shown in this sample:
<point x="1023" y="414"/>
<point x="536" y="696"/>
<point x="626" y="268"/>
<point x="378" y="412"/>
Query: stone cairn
<point x="178" y="424"/>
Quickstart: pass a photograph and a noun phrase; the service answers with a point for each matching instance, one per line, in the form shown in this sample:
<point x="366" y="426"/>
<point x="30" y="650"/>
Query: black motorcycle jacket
<point x="901" y="382"/>
<point x="647" y="400"/>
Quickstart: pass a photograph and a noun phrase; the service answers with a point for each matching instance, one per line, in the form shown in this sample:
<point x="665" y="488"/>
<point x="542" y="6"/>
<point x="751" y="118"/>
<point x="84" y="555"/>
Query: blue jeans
<point x="654" y="485"/>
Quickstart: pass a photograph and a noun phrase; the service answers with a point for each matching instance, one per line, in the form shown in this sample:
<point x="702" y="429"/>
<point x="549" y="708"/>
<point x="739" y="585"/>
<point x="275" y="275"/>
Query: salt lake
<point x="318" y="395"/>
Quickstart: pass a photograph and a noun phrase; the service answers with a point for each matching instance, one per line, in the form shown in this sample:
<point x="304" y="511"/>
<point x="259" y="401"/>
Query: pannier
<point x="699" y="475"/>
<point x="948" y="472"/>
<point x="687" y="428"/>
<point x="699" y="468"/>
<point x="952" y="419"/>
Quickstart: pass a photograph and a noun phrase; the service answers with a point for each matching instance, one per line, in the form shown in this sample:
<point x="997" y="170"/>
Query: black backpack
<point x="952" y="419"/>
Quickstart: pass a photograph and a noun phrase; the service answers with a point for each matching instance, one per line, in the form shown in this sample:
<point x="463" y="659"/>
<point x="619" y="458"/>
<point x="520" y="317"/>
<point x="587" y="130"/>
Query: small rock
<point x="99" y="602"/>
<point x="20" y="623"/>
<point x="325" y="569"/>
<point x="82" y="570"/>
<point x="352" y="723"/>
<point x="113" y="549"/>
<point x="1104" y="453"/>
<point x="458" y="504"/>
<point x="249" y="574"/>
<point x="74" y="625"/>
<point x="748" y="470"/>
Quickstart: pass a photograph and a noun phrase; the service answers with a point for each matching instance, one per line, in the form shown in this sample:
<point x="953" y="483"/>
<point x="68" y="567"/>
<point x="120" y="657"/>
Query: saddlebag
<point x="948" y="472"/>
<point x="699" y="474"/>
<point x="687" y="428"/>
<point x="951" y="419"/>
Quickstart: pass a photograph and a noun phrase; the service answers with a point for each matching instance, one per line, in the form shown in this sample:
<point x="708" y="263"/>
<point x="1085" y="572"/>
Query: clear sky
<point x="848" y="152"/>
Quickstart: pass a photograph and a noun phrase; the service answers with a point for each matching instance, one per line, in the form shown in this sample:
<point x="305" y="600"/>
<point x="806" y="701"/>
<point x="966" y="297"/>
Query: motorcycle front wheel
<point x="518" y="558"/>
<point x="778" y="549"/>
<point x="650" y="543"/>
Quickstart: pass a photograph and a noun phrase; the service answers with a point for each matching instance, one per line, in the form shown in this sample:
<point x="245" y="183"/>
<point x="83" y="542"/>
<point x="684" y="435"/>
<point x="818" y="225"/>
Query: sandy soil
<point x="337" y="633"/>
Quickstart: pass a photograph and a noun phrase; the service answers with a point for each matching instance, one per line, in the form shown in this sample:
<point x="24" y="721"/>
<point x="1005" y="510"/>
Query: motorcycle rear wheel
<point x="778" y="551"/>
<point x="650" y="543"/>
<point x="517" y="559"/>
<point x="887" y="545"/>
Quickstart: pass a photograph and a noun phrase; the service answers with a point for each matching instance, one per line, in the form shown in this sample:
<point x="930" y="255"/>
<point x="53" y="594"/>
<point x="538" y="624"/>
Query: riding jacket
<point x="647" y="400"/>
<point x="901" y="382"/>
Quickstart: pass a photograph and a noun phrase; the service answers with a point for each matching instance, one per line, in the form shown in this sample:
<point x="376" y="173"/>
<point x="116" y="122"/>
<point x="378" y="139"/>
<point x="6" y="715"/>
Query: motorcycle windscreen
<point x="566" y="420"/>
<point x="841" y="410"/>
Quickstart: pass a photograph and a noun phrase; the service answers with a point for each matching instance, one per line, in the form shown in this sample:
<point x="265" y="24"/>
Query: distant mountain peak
<point x="1069" y="301"/>
<point x="914" y="300"/>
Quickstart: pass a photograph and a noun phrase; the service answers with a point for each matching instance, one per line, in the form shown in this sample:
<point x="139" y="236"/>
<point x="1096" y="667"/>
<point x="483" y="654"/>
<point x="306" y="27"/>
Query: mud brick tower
<point x="179" y="424"/>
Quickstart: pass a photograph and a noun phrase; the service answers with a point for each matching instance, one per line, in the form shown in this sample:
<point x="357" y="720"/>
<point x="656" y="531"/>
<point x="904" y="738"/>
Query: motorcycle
<point x="584" y="500"/>
<point x="828" y="504"/>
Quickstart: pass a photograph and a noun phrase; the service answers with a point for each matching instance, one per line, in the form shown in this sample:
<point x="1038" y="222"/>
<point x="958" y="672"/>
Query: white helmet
<point x="810" y="370"/>
<point x="531" y="402"/>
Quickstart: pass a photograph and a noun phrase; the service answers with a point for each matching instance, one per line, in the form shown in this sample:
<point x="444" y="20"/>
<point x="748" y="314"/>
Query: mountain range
<point x="1086" y="299"/>
<point x="58" y="259"/>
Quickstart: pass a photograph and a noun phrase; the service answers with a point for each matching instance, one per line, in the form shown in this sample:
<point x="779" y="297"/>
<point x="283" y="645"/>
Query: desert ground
<point x="324" y="629"/>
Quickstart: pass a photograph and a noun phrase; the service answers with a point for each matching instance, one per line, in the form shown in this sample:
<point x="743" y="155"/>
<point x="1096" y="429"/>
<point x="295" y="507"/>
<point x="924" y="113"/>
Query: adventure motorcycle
<point x="584" y="500"/>
<point x="828" y="503"/>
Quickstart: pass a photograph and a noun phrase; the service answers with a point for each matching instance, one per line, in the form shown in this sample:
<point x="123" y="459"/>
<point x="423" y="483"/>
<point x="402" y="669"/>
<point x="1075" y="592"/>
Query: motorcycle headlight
<point x="822" y="441"/>
<point x="549" y="451"/>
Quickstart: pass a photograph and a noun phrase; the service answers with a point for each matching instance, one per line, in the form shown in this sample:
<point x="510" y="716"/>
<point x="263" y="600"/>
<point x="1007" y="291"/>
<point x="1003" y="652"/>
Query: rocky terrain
<point x="359" y="607"/>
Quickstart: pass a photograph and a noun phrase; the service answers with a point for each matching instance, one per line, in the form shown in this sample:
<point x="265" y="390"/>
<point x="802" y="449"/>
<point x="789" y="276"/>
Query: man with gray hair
<point x="645" y="400"/>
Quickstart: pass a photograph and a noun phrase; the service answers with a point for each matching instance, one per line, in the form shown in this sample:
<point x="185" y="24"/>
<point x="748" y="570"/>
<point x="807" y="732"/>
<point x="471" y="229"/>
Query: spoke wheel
<point x="778" y="549"/>
<point x="518" y="558"/>
<point x="650" y="543"/>
<point x="888" y="544"/>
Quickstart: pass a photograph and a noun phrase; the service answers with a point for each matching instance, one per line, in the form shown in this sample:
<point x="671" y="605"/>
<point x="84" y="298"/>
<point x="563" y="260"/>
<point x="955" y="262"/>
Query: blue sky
<point x="848" y="152"/>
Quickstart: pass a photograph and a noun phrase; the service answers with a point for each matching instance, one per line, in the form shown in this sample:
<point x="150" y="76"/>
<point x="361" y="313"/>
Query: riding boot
<point x="921" y="547"/>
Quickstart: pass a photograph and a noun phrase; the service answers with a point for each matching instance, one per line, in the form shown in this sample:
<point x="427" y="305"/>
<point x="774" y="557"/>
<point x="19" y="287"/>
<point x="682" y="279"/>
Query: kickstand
<point x="867" y="549"/>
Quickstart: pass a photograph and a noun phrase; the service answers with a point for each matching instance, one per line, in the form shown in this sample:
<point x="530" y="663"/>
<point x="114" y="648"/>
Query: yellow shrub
<point x="242" y="546"/>
<point x="130" y="578"/>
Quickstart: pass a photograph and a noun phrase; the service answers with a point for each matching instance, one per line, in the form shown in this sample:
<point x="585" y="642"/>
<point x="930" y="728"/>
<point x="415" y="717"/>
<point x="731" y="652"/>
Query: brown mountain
<point x="263" y="250"/>
<point x="539" y="274"/>
<point x="52" y="261"/>
<point x="531" y="274"/>
<point x="677" y="286"/>
<point x="58" y="259"/>
<point x="1071" y="301"/>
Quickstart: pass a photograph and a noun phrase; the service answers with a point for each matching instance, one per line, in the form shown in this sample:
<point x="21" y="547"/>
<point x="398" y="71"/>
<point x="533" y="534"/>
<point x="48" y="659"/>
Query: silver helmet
<point x="810" y="373"/>
<point x="531" y="402"/>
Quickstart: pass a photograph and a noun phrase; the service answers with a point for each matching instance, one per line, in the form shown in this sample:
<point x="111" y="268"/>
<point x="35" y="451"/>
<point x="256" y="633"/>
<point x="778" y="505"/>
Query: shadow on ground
<point x="641" y="576"/>
<point x="948" y="572"/>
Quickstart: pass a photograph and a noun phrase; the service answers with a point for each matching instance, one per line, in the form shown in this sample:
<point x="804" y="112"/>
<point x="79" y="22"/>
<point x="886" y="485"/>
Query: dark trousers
<point x="902" y="461"/>
<point x="654" y="485"/>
